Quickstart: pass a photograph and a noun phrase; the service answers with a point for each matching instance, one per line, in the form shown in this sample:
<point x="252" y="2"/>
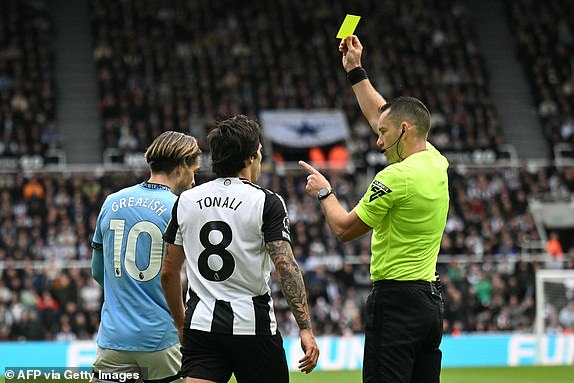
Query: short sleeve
<point x="172" y="233"/>
<point x="178" y="238"/>
<point x="275" y="219"/>
<point x="384" y="192"/>
<point x="97" y="240"/>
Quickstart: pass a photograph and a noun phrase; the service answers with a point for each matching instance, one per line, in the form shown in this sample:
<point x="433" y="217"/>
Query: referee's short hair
<point x="409" y="109"/>
<point x="171" y="149"/>
<point x="231" y="142"/>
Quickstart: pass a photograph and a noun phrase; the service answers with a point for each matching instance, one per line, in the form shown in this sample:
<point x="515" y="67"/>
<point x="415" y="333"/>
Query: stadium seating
<point x="544" y="34"/>
<point x="162" y="65"/>
<point x="50" y="217"/>
<point x="27" y="93"/>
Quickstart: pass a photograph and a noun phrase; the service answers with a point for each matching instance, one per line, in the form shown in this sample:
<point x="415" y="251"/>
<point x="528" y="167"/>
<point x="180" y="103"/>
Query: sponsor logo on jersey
<point x="378" y="189"/>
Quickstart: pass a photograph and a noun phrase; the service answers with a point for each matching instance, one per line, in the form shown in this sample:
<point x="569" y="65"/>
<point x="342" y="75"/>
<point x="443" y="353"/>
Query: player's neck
<point x="416" y="147"/>
<point x="161" y="179"/>
<point x="245" y="173"/>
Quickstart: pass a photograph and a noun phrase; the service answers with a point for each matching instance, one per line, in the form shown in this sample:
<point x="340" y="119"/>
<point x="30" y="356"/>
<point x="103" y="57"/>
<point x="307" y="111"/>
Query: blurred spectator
<point x="33" y="189"/>
<point x="65" y="334"/>
<point x="554" y="247"/>
<point x="566" y="316"/>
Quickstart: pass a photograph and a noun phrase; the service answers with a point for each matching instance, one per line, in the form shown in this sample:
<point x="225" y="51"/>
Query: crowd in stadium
<point x="158" y="70"/>
<point x="27" y="89"/>
<point x="51" y="218"/>
<point x="161" y="67"/>
<point x="545" y="37"/>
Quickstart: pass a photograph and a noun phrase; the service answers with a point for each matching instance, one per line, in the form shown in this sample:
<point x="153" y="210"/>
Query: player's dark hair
<point x="409" y="109"/>
<point x="171" y="149"/>
<point x="231" y="142"/>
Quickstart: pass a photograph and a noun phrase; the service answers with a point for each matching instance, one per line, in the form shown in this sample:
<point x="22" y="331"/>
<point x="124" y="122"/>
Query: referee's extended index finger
<point x="308" y="167"/>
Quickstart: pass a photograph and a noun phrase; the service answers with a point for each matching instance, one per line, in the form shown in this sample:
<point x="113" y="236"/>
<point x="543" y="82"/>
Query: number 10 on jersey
<point x="155" y="251"/>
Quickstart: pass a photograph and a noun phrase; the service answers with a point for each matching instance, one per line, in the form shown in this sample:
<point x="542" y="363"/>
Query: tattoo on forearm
<point x="291" y="281"/>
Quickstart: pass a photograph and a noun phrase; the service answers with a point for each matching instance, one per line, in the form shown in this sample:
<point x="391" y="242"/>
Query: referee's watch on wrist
<point x="324" y="193"/>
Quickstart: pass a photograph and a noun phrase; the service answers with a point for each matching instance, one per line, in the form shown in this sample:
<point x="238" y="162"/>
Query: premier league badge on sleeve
<point x="378" y="189"/>
<point x="286" y="224"/>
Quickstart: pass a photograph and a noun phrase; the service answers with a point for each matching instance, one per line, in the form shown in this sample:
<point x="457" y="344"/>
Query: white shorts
<point x="119" y="365"/>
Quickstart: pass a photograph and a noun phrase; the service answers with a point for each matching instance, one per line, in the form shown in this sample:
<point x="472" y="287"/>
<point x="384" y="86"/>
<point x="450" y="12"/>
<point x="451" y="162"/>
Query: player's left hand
<point x="315" y="180"/>
<point x="308" y="362"/>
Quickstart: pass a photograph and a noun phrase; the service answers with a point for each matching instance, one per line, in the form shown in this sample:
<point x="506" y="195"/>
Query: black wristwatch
<point x="324" y="193"/>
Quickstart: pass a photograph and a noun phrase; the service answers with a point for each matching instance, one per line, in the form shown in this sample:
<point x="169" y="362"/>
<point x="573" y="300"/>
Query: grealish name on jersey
<point x="153" y="204"/>
<point x="230" y="203"/>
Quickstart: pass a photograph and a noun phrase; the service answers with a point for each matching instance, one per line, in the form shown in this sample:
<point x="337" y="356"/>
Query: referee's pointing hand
<point x="315" y="180"/>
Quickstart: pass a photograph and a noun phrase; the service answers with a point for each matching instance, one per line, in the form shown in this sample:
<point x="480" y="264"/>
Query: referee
<point x="406" y="207"/>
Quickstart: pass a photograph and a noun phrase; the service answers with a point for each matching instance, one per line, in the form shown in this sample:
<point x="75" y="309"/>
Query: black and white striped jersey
<point x="223" y="226"/>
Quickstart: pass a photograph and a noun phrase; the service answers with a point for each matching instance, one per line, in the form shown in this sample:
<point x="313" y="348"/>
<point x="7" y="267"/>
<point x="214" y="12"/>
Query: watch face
<point x="324" y="192"/>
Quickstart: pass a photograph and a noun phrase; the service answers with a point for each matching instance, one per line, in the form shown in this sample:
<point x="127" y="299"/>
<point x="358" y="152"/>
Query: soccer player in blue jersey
<point x="137" y="330"/>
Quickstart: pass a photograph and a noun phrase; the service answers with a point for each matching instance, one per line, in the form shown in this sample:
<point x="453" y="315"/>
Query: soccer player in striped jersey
<point x="136" y="328"/>
<point x="230" y="230"/>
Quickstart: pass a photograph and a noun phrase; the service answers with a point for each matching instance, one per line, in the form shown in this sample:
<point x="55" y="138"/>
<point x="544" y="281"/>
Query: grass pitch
<point x="558" y="374"/>
<point x="535" y="374"/>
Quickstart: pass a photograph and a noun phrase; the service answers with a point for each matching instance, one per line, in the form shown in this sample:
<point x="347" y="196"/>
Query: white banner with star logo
<point x="304" y="128"/>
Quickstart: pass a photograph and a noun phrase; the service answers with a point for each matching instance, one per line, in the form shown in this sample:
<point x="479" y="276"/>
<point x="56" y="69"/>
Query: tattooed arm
<point x="291" y="281"/>
<point x="293" y="288"/>
<point x="171" y="283"/>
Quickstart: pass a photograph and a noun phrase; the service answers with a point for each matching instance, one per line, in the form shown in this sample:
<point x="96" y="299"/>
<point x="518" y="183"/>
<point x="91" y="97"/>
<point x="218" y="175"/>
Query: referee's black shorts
<point x="403" y="331"/>
<point x="252" y="358"/>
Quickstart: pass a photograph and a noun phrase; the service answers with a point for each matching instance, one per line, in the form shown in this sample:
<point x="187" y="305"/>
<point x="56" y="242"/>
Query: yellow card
<point x="348" y="26"/>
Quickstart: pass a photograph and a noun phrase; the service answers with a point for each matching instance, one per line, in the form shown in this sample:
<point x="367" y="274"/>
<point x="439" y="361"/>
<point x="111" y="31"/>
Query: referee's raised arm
<point x="369" y="99"/>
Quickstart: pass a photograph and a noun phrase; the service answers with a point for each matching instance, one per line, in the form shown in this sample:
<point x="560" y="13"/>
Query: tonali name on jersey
<point x="223" y="226"/>
<point x="227" y="202"/>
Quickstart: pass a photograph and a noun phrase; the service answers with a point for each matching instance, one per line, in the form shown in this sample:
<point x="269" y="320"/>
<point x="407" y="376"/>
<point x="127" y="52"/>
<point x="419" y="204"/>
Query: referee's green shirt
<point x="406" y="206"/>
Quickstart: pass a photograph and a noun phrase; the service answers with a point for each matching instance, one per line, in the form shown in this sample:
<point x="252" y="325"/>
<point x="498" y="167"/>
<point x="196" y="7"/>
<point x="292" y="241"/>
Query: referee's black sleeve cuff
<point x="356" y="75"/>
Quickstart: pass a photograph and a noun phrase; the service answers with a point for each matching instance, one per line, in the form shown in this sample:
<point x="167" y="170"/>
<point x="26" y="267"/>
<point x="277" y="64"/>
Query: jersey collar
<point x="152" y="185"/>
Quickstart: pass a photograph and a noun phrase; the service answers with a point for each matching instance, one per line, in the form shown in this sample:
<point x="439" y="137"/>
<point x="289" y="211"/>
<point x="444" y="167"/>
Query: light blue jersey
<point x="135" y="315"/>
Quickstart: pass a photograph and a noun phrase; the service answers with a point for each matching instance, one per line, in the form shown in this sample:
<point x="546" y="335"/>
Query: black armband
<point x="357" y="74"/>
